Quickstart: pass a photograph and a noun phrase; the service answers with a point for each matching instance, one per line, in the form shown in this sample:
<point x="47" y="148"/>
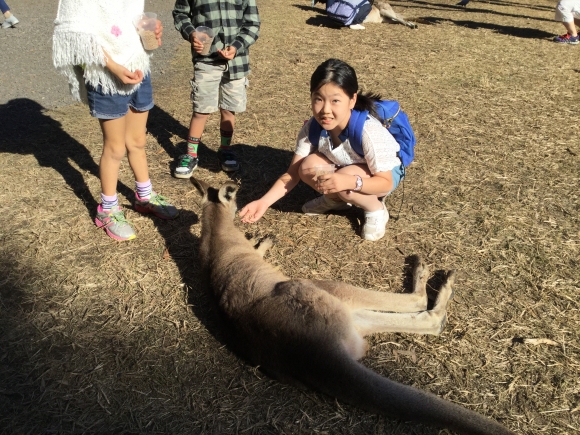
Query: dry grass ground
<point x="105" y="337"/>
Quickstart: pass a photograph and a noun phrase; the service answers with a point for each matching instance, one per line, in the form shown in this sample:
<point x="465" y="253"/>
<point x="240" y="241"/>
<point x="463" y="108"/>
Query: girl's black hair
<point x="343" y="75"/>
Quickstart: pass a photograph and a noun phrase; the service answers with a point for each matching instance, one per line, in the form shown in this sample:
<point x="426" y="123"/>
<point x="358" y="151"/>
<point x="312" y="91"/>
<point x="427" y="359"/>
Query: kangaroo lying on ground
<point x="310" y="333"/>
<point x="382" y="12"/>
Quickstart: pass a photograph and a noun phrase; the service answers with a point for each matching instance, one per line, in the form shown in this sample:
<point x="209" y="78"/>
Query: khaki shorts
<point x="211" y="91"/>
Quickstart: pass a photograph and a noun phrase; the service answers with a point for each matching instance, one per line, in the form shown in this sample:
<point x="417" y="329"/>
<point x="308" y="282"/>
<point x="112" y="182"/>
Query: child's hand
<point x="253" y="212"/>
<point x="228" y="53"/>
<point x="159" y="32"/>
<point x="333" y="183"/>
<point x="196" y="43"/>
<point x="127" y="77"/>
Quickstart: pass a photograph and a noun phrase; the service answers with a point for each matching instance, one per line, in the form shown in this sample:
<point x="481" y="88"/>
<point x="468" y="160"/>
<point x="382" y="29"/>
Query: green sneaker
<point x="186" y="164"/>
<point x="157" y="205"/>
<point x="114" y="223"/>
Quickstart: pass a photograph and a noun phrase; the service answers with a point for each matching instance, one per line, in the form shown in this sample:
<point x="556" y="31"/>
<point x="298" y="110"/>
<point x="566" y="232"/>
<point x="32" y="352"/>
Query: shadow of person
<point x="520" y="32"/>
<point x="417" y="4"/>
<point x="183" y="249"/>
<point x="165" y="127"/>
<point x="323" y="21"/>
<point x="25" y="128"/>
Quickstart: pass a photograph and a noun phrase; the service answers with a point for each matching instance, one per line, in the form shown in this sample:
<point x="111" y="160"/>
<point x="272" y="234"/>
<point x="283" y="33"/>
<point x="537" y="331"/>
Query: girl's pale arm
<point x="256" y="209"/>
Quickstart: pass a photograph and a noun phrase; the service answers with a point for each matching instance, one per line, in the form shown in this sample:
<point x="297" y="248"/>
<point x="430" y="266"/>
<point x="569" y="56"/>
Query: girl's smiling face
<point x="331" y="107"/>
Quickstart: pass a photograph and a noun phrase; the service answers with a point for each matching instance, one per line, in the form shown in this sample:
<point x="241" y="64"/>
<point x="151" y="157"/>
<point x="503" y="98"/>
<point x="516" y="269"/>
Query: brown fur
<point x="383" y="12"/>
<point x="310" y="333"/>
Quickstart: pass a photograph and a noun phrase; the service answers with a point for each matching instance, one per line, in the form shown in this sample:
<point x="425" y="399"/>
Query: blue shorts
<point x="398" y="174"/>
<point x="107" y="106"/>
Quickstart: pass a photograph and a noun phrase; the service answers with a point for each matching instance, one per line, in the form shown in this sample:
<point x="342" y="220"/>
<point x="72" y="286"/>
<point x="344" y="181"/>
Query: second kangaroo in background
<point x="310" y="332"/>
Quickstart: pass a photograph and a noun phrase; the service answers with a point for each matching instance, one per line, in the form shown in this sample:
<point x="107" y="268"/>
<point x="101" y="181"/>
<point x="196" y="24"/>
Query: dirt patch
<point x="98" y="336"/>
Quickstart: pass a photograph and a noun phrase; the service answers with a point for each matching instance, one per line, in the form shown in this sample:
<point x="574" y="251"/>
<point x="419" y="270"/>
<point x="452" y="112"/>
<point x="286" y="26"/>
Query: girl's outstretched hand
<point x="253" y="211"/>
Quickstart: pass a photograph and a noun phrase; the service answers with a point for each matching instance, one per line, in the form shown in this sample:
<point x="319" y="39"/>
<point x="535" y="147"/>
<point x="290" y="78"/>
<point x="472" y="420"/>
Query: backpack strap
<point x="355" y="127"/>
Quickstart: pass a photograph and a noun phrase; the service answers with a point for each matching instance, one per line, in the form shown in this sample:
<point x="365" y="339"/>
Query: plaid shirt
<point x="235" y="23"/>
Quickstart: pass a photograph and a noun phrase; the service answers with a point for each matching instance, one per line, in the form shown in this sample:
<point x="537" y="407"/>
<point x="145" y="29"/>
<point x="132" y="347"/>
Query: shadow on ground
<point x="26" y="129"/>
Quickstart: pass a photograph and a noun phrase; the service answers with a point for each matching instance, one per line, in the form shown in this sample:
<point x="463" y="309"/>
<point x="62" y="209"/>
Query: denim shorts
<point x="113" y="106"/>
<point x="398" y="173"/>
<point x="211" y="90"/>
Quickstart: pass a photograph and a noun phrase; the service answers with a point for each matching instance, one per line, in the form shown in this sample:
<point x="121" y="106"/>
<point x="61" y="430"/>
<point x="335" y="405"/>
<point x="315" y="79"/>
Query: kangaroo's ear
<point x="227" y="193"/>
<point x="200" y="185"/>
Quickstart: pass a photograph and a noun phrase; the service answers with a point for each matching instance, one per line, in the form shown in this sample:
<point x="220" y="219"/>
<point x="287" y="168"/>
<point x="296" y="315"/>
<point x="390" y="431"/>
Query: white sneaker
<point x="375" y="223"/>
<point x="323" y="204"/>
<point x="357" y="27"/>
<point x="10" y="22"/>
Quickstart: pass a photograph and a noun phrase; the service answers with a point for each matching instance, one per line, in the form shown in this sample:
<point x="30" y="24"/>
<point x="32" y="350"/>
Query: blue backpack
<point x="345" y="11"/>
<point x="393" y="119"/>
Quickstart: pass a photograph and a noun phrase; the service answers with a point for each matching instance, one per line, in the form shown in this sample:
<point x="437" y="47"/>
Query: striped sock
<point x="226" y="138"/>
<point x="108" y="202"/>
<point x="143" y="189"/>
<point x="192" y="144"/>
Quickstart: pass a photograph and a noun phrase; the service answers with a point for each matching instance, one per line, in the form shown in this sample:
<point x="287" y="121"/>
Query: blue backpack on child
<point x="393" y="119"/>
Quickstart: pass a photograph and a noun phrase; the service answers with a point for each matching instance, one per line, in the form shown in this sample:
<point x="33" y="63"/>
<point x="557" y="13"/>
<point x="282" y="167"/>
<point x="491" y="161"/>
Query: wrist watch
<point x="359" y="184"/>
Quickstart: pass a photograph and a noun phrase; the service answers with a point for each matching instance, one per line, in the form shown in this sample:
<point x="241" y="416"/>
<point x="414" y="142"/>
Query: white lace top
<point x="379" y="146"/>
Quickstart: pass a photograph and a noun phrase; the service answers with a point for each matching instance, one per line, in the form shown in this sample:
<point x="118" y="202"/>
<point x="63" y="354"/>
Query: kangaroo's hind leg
<point x="423" y="322"/>
<point x="357" y="297"/>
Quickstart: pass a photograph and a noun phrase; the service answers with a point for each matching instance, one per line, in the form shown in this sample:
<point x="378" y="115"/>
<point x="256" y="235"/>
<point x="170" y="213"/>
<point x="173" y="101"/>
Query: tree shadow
<point x="511" y="4"/>
<point x="417" y="4"/>
<point x="520" y="32"/>
<point x="26" y="129"/>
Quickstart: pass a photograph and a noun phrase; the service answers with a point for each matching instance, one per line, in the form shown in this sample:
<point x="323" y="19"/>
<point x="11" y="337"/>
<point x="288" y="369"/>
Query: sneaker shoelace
<point x="185" y="161"/>
<point x="160" y="200"/>
<point x="118" y="217"/>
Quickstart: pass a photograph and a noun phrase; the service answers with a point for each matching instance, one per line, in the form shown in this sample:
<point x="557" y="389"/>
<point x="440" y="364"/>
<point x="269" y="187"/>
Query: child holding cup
<point x="360" y="181"/>
<point x="96" y="44"/>
<point x="220" y="69"/>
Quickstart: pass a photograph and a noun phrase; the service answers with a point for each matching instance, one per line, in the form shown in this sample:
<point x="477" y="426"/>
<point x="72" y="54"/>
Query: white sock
<point x="375" y="213"/>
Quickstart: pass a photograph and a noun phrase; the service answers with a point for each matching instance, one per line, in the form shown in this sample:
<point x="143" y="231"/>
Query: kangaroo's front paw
<point x="264" y="245"/>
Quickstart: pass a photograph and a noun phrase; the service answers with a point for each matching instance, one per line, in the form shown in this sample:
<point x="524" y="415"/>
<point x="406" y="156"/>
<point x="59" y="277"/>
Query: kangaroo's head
<point x="214" y="201"/>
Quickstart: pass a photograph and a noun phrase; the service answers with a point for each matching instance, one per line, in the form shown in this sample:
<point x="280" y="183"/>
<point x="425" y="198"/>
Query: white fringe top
<point x="84" y="30"/>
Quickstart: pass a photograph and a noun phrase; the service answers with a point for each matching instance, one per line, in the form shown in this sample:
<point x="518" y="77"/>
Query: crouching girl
<point x="362" y="181"/>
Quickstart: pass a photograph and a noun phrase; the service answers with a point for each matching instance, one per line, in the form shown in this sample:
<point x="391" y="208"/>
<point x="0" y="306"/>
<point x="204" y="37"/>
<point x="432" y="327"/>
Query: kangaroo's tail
<point x="349" y="381"/>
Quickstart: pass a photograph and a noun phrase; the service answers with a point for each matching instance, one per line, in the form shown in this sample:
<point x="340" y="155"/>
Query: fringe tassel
<point x="81" y="59"/>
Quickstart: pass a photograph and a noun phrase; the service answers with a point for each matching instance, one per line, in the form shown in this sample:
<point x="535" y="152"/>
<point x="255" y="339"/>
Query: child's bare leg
<point x="197" y="124"/>
<point x="135" y="140"/>
<point x="367" y="202"/>
<point x="571" y="28"/>
<point x="113" y="152"/>
<point x="227" y="120"/>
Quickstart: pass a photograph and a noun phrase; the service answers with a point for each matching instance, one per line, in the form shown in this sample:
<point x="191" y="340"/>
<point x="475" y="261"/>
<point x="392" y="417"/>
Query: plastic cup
<point x="321" y="170"/>
<point x="146" y="24"/>
<point x="204" y="35"/>
<point x="324" y="169"/>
